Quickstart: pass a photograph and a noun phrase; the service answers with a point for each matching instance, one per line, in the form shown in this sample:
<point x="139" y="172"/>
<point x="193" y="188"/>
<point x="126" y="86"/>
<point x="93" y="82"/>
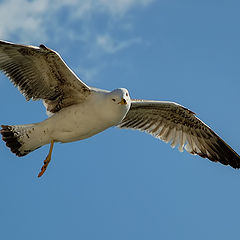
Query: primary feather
<point x="174" y="123"/>
<point x="40" y="73"/>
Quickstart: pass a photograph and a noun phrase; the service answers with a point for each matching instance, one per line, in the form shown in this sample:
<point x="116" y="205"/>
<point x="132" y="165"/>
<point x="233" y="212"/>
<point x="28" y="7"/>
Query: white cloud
<point x="115" y="8"/>
<point x="74" y="21"/>
<point x="109" y="45"/>
<point x="31" y="20"/>
<point x="89" y="73"/>
<point x="23" y="18"/>
<point x="120" y="7"/>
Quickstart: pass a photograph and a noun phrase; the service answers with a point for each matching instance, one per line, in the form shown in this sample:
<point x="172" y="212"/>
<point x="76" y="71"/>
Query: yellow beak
<point x="123" y="102"/>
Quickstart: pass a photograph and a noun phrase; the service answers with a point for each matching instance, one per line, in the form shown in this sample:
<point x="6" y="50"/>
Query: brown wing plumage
<point x="174" y="123"/>
<point x="40" y="73"/>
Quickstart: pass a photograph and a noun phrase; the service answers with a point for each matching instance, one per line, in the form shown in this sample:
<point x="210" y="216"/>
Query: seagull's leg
<point x="47" y="160"/>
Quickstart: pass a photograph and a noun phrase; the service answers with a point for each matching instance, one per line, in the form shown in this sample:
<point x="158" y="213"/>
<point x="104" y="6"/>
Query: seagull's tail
<point x="22" y="139"/>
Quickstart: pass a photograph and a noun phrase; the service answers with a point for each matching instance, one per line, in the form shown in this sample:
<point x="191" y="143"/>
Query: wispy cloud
<point x="22" y="18"/>
<point x="89" y="73"/>
<point x="118" y="7"/>
<point x="92" y="25"/>
<point x="31" y="20"/>
<point x="109" y="45"/>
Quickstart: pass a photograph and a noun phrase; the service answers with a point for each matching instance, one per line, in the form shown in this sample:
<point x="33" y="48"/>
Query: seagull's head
<point x="119" y="101"/>
<point x="120" y="97"/>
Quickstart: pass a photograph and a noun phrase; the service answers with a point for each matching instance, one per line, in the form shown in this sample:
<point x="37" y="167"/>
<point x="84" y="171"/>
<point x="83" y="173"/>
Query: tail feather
<point x="11" y="140"/>
<point x="19" y="138"/>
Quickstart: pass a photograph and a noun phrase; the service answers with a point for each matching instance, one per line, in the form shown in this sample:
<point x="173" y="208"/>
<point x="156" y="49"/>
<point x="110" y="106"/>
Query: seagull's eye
<point x="114" y="99"/>
<point x="127" y="94"/>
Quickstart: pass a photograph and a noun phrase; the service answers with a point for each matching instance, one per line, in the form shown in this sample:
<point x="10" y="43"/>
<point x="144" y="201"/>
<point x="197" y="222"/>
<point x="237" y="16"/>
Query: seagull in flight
<point x="77" y="111"/>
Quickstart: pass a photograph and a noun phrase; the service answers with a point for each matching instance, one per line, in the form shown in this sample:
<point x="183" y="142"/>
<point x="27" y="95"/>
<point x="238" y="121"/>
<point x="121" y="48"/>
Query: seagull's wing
<point x="40" y="73"/>
<point x="172" y="122"/>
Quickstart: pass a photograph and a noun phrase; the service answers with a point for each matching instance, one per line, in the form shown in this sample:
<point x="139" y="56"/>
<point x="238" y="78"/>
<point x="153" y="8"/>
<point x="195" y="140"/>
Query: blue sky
<point x="124" y="184"/>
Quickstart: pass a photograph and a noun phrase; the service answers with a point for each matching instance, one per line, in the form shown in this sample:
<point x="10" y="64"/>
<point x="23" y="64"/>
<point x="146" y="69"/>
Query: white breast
<point x="84" y="120"/>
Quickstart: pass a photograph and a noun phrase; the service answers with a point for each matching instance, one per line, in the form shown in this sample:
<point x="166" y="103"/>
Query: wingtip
<point x="43" y="46"/>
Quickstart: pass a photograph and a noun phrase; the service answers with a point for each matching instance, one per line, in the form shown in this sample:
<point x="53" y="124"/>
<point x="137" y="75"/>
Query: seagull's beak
<point x="123" y="102"/>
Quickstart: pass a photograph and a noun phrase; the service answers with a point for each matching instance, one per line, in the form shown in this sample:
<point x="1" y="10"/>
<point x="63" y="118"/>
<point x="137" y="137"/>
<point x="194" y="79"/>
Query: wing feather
<point x="174" y="123"/>
<point x="40" y="73"/>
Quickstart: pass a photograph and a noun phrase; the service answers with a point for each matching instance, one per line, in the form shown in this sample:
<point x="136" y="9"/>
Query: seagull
<point x="77" y="111"/>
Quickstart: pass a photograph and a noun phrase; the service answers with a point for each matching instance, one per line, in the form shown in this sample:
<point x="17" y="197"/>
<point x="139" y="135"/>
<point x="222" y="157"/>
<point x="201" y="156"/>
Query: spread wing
<point x="40" y="73"/>
<point x="174" y="123"/>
